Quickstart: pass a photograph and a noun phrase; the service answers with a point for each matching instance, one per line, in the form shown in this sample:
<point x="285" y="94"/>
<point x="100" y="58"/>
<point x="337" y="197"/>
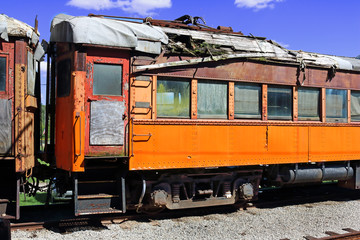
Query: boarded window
<point x="2" y="73"/>
<point x="355" y="105"/>
<point x="5" y="126"/>
<point x="212" y="99"/>
<point x="107" y="79"/>
<point x="247" y="100"/>
<point x="63" y="78"/>
<point x="309" y="104"/>
<point x="31" y="74"/>
<point x="106" y="123"/>
<point x="279" y="103"/>
<point x="336" y="107"/>
<point x="173" y="98"/>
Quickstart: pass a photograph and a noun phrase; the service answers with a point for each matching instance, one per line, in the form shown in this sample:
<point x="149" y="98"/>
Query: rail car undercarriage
<point x="116" y="191"/>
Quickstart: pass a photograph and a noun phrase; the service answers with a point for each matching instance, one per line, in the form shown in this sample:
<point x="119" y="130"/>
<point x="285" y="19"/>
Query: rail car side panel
<point x="194" y="146"/>
<point x="334" y="143"/>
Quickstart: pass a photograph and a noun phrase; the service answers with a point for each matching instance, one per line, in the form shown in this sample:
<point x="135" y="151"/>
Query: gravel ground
<point x="293" y="222"/>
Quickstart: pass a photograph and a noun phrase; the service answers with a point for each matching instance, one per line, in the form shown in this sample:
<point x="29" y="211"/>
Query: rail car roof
<point x="12" y="27"/>
<point x="151" y="37"/>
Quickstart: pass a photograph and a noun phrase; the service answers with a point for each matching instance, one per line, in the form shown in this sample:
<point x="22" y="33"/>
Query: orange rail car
<point x="154" y="114"/>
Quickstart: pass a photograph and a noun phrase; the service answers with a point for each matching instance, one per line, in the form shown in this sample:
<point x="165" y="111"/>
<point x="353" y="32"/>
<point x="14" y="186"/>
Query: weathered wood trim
<point x="264" y="102"/>
<point x="231" y="97"/>
<point x="153" y="100"/>
<point x="323" y="104"/>
<point x="194" y="99"/>
<point x="348" y="106"/>
<point x="295" y="104"/>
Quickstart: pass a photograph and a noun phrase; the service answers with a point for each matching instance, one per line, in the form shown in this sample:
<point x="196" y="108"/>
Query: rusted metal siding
<point x="263" y="72"/>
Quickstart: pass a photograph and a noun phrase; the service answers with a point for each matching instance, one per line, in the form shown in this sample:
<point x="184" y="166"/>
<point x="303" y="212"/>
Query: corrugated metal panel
<point x="106" y="123"/>
<point x="5" y="125"/>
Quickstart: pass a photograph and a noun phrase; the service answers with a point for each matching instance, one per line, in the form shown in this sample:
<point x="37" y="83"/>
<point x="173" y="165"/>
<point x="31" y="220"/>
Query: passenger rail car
<point x="149" y="114"/>
<point x="155" y="114"/>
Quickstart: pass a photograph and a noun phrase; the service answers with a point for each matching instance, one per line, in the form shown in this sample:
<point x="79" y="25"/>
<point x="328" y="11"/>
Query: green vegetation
<point x="38" y="199"/>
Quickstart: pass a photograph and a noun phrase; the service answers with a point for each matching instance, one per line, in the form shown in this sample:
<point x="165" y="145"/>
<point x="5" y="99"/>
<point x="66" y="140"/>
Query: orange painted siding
<point x="196" y="146"/>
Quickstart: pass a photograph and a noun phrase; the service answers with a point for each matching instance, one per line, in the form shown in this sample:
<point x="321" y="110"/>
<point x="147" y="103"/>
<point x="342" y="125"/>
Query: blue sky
<point x="323" y="26"/>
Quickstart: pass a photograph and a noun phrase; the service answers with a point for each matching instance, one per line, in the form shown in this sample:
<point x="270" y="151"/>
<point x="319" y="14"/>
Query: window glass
<point x="212" y="99"/>
<point x="173" y="98"/>
<point x="279" y="102"/>
<point x="336" y="107"/>
<point x="2" y="73"/>
<point x="309" y="103"/>
<point x="355" y="105"/>
<point x="63" y="78"/>
<point x="247" y="100"/>
<point x="107" y="79"/>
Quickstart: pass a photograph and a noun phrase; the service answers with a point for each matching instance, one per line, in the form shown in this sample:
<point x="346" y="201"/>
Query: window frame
<point x="162" y="78"/>
<point x="336" y="119"/>
<point x="300" y="118"/>
<point x="209" y="116"/>
<point x="119" y="60"/>
<point x="5" y="92"/>
<point x="248" y="116"/>
<point x="122" y="78"/>
<point x="282" y="118"/>
<point x="351" y="118"/>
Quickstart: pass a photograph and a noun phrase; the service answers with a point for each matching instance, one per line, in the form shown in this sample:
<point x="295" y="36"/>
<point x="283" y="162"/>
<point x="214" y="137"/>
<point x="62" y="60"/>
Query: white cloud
<point x="285" y="45"/>
<point x="142" y="7"/>
<point x="256" y="4"/>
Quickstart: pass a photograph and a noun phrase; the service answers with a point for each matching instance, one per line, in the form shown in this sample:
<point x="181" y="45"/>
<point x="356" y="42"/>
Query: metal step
<point x="99" y="196"/>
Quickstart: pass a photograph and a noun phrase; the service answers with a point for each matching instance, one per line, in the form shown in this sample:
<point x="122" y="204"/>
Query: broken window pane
<point x="355" y="105"/>
<point x="212" y="99"/>
<point x="107" y="79"/>
<point x="2" y="73"/>
<point x="173" y="98"/>
<point x="336" y="107"/>
<point x="247" y="100"/>
<point x="63" y="78"/>
<point x="309" y="103"/>
<point x="280" y="103"/>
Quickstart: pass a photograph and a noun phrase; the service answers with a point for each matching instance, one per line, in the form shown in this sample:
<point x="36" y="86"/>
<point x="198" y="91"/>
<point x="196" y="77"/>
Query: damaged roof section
<point x="185" y="36"/>
<point x="15" y="28"/>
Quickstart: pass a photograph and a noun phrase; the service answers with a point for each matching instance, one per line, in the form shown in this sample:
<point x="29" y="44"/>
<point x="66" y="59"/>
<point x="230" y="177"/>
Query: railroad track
<point x="350" y="235"/>
<point x="269" y="199"/>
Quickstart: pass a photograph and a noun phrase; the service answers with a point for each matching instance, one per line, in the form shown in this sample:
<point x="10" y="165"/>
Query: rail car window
<point x="212" y="99"/>
<point x="2" y="73"/>
<point x="63" y="78"/>
<point x="279" y="103"/>
<point x="309" y="104"/>
<point x="355" y="106"/>
<point x="247" y="100"/>
<point x="336" y="107"/>
<point x="107" y="79"/>
<point x="173" y="98"/>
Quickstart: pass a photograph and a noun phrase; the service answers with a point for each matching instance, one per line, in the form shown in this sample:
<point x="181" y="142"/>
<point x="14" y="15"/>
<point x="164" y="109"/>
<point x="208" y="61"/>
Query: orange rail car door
<point x="106" y="100"/>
